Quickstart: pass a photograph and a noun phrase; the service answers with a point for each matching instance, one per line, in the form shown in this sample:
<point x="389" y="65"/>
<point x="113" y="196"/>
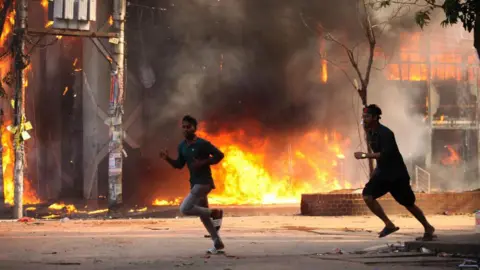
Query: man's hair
<point x="374" y="110"/>
<point x="189" y="119"/>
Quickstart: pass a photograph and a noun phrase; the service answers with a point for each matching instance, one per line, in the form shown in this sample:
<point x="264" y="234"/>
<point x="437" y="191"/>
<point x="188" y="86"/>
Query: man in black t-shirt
<point x="390" y="175"/>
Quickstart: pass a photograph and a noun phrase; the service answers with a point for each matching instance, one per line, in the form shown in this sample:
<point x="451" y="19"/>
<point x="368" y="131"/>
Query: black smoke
<point x="268" y="36"/>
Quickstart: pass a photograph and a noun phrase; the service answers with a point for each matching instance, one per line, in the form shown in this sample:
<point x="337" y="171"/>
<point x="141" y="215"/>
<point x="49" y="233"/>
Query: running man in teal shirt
<point x="198" y="154"/>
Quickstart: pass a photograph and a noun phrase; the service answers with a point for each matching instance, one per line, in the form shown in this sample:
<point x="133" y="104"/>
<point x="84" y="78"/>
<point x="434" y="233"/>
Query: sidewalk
<point x="465" y="244"/>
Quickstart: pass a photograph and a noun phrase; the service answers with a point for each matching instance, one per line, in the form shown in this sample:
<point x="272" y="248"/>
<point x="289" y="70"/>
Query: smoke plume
<point x="233" y="62"/>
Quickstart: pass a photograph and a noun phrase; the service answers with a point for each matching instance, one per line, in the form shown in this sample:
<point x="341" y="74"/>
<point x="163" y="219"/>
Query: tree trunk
<point x="363" y="97"/>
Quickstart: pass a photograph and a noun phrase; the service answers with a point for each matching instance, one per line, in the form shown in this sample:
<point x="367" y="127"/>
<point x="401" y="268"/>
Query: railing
<point x="422" y="180"/>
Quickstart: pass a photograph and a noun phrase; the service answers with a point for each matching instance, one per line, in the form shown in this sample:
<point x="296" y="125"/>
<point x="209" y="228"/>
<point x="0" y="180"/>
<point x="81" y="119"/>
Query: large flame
<point x="441" y="63"/>
<point x="7" y="27"/>
<point x="255" y="172"/>
<point x="8" y="154"/>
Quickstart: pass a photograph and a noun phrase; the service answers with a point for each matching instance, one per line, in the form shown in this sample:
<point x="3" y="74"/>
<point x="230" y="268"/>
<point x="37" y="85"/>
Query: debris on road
<point x="388" y="248"/>
<point x="184" y="264"/>
<point x="335" y="251"/>
<point x="469" y="264"/>
<point x="444" y="254"/>
<point x="157" y="229"/>
<point x="26" y="219"/>
<point x="426" y="250"/>
<point x="338" y="251"/>
<point x="65" y="219"/>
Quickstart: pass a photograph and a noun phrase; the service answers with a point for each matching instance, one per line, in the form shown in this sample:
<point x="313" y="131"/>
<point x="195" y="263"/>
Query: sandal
<point x="427" y="237"/>
<point x="387" y="231"/>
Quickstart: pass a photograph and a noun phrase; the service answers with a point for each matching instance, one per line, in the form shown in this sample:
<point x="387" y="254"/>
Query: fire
<point x="144" y="209"/>
<point x="323" y="61"/>
<point x="70" y="208"/>
<point x="453" y="157"/>
<point x="8" y="160"/>
<point x="48" y="24"/>
<point x="110" y="20"/>
<point x="75" y="69"/>
<point x="98" y="211"/>
<point x="441" y="63"/>
<point x="324" y="71"/>
<point x="8" y="154"/>
<point x="44" y="4"/>
<point x="7" y="27"/>
<point x="159" y="202"/>
<point x="255" y="172"/>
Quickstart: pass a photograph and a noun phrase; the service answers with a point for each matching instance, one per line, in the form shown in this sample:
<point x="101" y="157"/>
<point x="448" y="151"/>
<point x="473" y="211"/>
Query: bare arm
<point x="215" y="154"/>
<point x="178" y="163"/>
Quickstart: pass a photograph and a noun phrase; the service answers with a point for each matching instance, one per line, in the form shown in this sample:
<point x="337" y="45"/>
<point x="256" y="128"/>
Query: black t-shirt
<point x="390" y="165"/>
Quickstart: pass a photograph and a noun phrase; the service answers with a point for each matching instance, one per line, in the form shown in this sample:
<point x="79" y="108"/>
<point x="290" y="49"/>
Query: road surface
<point x="273" y="242"/>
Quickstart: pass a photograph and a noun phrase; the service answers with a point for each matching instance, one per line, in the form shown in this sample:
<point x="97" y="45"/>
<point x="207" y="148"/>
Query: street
<point x="255" y="242"/>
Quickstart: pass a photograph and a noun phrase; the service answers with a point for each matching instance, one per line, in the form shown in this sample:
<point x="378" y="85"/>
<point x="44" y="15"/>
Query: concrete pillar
<point x="95" y="96"/>
<point x="52" y="120"/>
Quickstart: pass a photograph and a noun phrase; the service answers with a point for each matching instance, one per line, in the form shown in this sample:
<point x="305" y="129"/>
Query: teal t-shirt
<point x="199" y="149"/>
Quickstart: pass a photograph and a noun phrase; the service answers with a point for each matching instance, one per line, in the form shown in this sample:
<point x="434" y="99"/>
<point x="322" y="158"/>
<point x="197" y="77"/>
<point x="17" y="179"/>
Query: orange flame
<point x="110" y="20"/>
<point x="7" y="27"/>
<point x="453" y="157"/>
<point x="8" y="154"/>
<point x="159" y="202"/>
<point x="255" y="172"/>
<point x="324" y="71"/>
<point x="44" y="4"/>
<point x="441" y="64"/>
<point x="8" y="160"/>
<point x="70" y="208"/>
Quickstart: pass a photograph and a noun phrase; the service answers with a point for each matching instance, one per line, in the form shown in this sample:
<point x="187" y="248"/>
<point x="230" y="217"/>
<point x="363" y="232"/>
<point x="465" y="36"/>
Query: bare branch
<point x="340" y="68"/>
<point x="306" y="24"/>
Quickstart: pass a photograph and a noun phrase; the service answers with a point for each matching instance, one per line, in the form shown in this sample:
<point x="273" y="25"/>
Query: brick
<point x="352" y="204"/>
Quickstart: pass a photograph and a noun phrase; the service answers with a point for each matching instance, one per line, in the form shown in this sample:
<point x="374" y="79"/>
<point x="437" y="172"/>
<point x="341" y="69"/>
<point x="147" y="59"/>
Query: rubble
<point x="469" y="264"/>
<point x="386" y="248"/>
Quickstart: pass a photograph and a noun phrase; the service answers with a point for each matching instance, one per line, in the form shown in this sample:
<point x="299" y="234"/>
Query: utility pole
<point x="117" y="95"/>
<point x="20" y="65"/>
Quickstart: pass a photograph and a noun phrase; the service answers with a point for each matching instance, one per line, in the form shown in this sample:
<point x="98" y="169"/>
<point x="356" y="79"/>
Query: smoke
<point x="233" y="62"/>
<point x="410" y="128"/>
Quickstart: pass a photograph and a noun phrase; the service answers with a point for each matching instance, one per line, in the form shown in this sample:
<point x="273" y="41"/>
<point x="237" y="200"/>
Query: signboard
<point x="72" y="14"/>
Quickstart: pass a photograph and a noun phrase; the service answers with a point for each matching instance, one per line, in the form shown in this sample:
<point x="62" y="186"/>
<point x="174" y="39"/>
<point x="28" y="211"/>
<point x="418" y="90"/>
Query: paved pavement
<point x="273" y="242"/>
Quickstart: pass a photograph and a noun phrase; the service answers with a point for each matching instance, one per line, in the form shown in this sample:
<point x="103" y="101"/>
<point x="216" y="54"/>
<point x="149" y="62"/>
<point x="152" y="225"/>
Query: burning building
<point x="250" y="71"/>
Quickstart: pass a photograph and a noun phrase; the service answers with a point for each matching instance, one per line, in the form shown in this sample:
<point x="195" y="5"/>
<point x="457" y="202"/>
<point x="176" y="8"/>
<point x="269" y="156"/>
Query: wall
<point x="353" y="204"/>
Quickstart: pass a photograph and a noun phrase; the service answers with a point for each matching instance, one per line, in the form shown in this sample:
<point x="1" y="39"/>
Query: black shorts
<point x="400" y="190"/>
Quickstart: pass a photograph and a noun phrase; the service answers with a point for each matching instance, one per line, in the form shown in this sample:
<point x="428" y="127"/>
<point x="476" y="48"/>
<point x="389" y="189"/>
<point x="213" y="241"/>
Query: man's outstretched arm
<point x="178" y="163"/>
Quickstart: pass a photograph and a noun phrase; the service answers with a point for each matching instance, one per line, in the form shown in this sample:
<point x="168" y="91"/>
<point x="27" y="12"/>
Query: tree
<point x="372" y="20"/>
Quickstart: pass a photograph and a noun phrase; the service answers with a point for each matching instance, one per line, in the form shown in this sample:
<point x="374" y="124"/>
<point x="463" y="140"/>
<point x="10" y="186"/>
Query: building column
<point x="95" y="96"/>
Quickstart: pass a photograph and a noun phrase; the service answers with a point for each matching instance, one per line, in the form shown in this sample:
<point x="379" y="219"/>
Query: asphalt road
<point x="273" y="242"/>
